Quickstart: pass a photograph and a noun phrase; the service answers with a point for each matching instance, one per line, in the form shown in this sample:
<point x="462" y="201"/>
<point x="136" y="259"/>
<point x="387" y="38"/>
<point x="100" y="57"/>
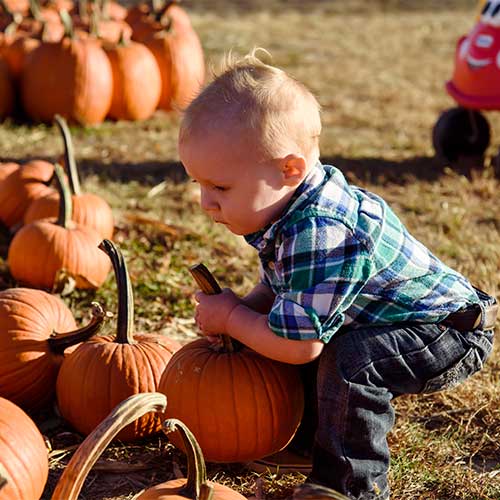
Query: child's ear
<point x="294" y="169"/>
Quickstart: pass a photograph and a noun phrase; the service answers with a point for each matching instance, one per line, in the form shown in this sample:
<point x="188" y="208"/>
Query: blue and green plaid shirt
<point x="340" y="256"/>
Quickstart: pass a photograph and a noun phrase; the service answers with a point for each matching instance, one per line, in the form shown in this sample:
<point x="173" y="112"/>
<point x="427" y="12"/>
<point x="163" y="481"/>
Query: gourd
<point x="120" y="366"/>
<point x="240" y="405"/>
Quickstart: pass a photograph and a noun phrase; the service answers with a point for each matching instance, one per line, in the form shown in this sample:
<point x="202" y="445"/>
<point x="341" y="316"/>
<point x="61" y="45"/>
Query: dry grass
<point x="378" y="69"/>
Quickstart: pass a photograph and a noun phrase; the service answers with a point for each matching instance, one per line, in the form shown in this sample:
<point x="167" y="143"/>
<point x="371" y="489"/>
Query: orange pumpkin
<point x="21" y="187"/>
<point x="120" y="367"/>
<point x="24" y="461"/>
<point x="182" y="66"/>
<point x="126" y="412"/>
<point x="133" y="64"/>
<point x="6" y="90"/>
<point x="240" y="405"/>
<point x="88" y="209"/>
<point x="32" y="345"/>
<point x="79" y="85"/>
<point x="64" y="247"/>
<point x="192" y="486"/>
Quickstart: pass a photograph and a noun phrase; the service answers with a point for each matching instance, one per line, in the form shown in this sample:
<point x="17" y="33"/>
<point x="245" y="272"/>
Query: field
<point x="378" y="69"/>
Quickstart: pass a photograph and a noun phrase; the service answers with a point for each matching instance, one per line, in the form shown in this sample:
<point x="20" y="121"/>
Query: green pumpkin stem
<point x="59" y="342"/>
<point x="69" y="155"/>
<point x="35" y="10"/>
<point x="125" y="320"/>
<point x="196" y="469"/>
<point x="71" y="481"/>
<point x="65" y="202"/>
<point x="67" y="23"/>
<point x="208" y="284"/>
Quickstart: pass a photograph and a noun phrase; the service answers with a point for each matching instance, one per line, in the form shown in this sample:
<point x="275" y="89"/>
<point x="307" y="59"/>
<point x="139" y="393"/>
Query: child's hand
<point x="213" y="311"/>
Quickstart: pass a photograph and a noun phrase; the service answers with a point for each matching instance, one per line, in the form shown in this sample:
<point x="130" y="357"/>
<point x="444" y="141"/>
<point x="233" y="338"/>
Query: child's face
<point x="239" y="188"/>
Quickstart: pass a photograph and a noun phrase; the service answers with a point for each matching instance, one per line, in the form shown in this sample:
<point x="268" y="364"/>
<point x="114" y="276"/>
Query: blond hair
<point x="260" y="98"/>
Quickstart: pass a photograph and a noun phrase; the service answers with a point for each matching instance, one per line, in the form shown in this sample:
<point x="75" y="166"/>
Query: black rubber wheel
<point x="460" y="132"/>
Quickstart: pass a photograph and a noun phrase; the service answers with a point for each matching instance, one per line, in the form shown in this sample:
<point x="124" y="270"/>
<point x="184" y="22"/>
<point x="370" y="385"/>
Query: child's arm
<point x="236" y="319"/>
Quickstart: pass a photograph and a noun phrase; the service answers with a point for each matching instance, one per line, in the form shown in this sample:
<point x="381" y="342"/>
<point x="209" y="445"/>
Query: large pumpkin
<point x="64" y="246"/>
<point x="179" y="55"/>
<point x="35" y="330"/>
<point x="6" y="90"/>
<point x="133" y="64"/>
<point x="20" y="185"/>
<point x="240" y="405"/>
<point x="24" y="462"/>
<point x="79" y="85"/>
<point x="107" y="369"/>
<point x="88" y="209"/>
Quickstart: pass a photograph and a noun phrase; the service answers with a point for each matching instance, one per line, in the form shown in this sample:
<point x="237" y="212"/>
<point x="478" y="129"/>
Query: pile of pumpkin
<point x="91" y="59"/>
<point x="239" y="405"/>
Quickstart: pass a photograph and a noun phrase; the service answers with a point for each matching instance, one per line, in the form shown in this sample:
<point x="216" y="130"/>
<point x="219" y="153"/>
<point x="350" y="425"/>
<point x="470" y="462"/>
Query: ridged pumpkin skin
<point x="6" y="90"/>
<point x="28" y="368"/>
<point x="21" y="187"/>
<point x="239" y="405"/>
<point x="101" y="373"/>
<point x="88" y="210"/>
<point x="41" y="249"/>
<point x="23" y="454"/>
<point x="133" y="64"/>
<point x="79" y="85"/>
<point x="182" y="66"/>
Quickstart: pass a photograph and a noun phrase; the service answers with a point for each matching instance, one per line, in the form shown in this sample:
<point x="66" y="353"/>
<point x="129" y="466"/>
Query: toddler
<point x="345" y="290"/>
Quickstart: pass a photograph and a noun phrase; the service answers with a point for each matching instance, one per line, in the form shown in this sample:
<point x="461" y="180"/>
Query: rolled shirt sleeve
<point x="320" y="269"/>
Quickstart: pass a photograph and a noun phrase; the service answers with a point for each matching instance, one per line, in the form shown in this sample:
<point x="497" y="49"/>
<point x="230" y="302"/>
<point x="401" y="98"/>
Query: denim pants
<point x="358" y="374"/>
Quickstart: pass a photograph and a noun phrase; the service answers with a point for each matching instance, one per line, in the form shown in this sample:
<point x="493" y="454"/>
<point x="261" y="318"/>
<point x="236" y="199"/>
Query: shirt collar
<point x="311" y="182"/>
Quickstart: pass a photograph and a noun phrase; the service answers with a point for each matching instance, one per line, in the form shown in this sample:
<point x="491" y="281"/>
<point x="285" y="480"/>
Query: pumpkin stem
<point x="206" y="492"/>
<point x="69" y="155"/>
<point x="71" y="480"/>
<point x="67" y="23"/>
<point x="125" y="320"/>
<point x="35" y="10"/>
<point x="65" y="202"/>
<point x="83" y="10"/>
<point x="160" y="11"/>
<point x="59" y="342"/>
<point x="197" y="472"/>
<point x="209" y="285"/>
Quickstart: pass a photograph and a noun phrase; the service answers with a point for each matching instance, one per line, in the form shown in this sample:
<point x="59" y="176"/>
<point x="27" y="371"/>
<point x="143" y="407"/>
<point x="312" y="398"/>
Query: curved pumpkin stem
<point x="125" y="320"/>
<point x="71" y="480"/>
<point x="59" y="342"/>
<point x="67" y="23"/>
<point x="65" y="202"/>
<point x="35" y="10"/>
<point x="208" y="284"/>
<point x="197" y="472"/>
<point x="69" y="155"/>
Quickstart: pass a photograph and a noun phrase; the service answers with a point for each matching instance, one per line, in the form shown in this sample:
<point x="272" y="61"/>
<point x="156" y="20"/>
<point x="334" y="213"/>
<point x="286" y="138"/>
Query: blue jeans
<point x="359" y="372"/>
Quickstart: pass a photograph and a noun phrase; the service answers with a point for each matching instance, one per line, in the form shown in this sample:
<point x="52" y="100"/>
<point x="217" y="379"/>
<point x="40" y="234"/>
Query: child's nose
<point x="208" y="202"/>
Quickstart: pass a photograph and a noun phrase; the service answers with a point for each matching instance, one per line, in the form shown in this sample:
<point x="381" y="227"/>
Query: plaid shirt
<point x="340" y="256"/>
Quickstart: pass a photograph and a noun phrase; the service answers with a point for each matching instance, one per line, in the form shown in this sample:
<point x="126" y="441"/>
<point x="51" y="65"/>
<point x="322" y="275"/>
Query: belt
<point x="471" y="318"/>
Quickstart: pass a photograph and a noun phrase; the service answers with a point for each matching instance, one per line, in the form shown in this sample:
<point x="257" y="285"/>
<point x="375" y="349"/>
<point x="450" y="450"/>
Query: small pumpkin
<point x="192" y="486"/>
<point x="24" y="462"/>
<point x="88" y="208"/>
<point x="32" y="343"/>
<point x="20" y="185"/>
<point x="42" y="250"/>
<point x="132" y="64"/>
<point x="120" y="366"/>
<point x="240" y="405"/>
